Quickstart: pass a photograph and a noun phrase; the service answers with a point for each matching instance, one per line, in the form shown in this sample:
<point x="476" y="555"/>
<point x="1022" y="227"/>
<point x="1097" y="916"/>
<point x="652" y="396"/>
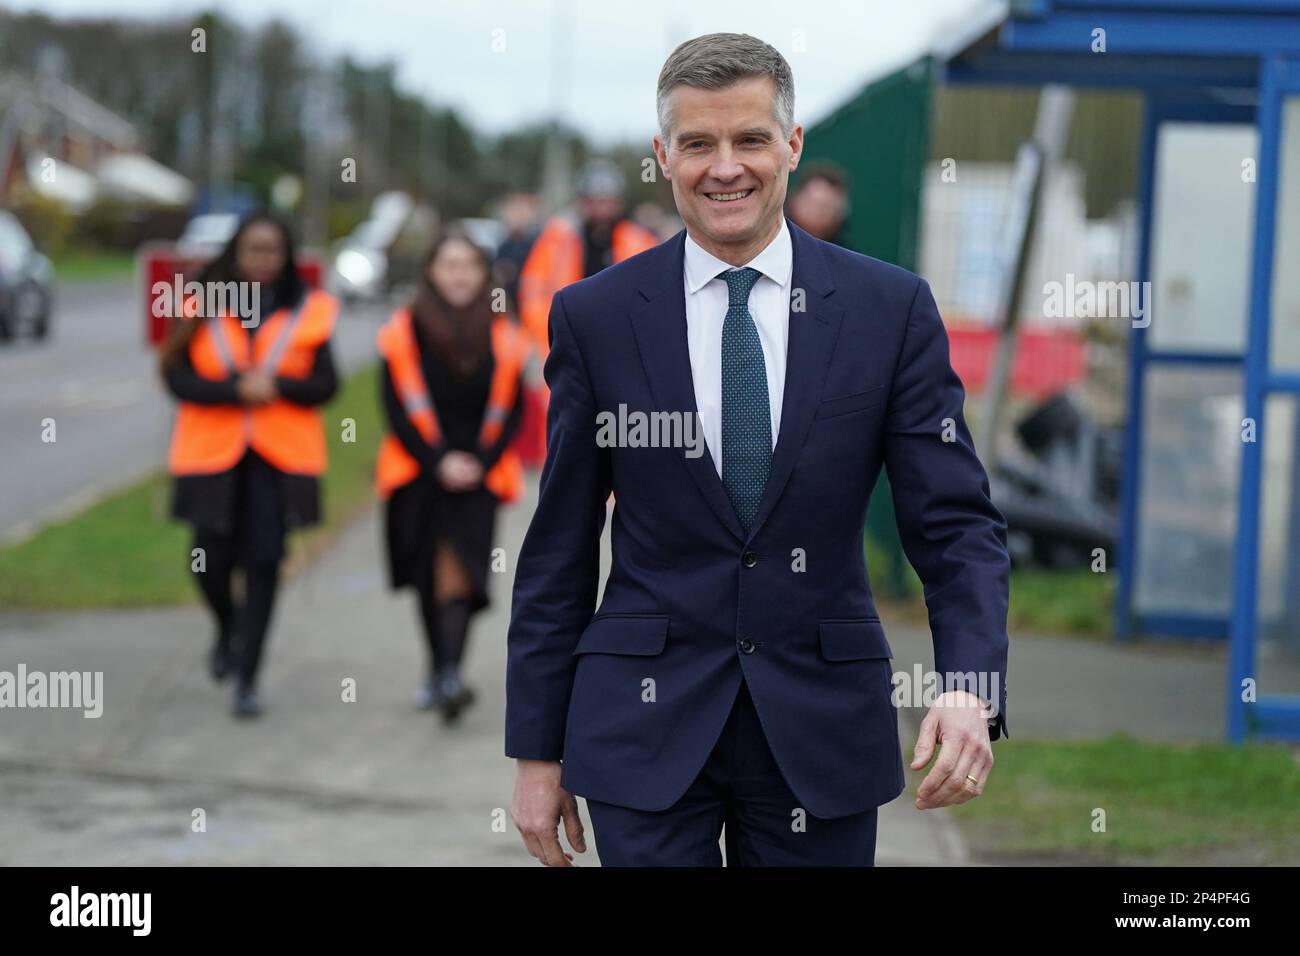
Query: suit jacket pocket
<point x="636" y="634"/>
<point x="857" y="402"/>
<point x="861" y="640"/>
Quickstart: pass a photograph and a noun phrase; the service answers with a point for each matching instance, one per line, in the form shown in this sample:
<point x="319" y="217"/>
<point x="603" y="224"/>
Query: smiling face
<point x="729" y="165"/>
<point x="457" y="272"/>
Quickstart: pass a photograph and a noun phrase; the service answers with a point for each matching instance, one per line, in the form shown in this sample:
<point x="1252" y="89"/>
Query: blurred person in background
<point x="819" y="204"/>
<point x="453" y="397"/>
<point x="519" y="216"/>
<point x="576" y="245"/>
<point x="653" y="217"/>
<point x="248" y="446"/>
<point x="572" y="246"/>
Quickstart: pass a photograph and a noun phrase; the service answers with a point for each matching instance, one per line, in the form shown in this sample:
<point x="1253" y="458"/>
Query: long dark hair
<point x="286" y="292"/>
<point x="461" y="337"/>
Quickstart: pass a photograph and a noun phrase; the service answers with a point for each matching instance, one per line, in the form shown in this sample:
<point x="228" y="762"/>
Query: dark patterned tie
<point x="746" y="415"/>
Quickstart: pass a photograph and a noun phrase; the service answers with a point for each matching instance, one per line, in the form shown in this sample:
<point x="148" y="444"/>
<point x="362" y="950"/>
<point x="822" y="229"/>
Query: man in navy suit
<point x="735" y="682"/>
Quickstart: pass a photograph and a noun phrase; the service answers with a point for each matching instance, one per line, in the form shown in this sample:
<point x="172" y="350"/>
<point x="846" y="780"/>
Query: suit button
<point x="749" y="559"/>
<point x="746" y="646"/>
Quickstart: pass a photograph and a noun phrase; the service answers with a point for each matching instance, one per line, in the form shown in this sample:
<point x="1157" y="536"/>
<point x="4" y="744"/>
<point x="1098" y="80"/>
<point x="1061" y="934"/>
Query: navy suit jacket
<point x="633" y="696"/>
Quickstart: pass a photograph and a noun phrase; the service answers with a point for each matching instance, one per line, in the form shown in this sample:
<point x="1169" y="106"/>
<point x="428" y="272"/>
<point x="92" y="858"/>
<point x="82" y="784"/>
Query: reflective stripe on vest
<point x="398" y="347"/>
<point x="508" y="350"/>
<point x="212" y="438"/>
<point x="272" y="358"/>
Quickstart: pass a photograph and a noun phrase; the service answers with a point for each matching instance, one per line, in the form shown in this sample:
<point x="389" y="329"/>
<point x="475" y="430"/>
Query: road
<point x="96" y="379"/>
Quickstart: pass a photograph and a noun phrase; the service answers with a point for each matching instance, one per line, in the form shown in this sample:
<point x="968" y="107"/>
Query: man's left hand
<point x="959" y="721"/>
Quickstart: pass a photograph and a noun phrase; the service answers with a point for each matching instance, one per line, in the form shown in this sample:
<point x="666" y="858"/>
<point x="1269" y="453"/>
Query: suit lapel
<point x="811" y="340"/>
<point x="659" y="324"/>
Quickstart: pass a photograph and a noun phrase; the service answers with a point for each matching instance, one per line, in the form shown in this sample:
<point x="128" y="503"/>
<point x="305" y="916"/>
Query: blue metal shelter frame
<point x="1198" y="61"/>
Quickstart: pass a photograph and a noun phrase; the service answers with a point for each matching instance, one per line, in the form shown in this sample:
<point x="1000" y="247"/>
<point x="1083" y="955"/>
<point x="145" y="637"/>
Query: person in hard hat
<point x="572" y="247"/>
<point x="452" y="392"/>
<point x="593" y="235"/>
<point x="248" y="446"/>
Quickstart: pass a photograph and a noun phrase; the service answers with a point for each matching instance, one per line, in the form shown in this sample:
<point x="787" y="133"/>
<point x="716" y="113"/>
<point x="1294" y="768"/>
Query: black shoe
<point x="246" y="705"/>
<point x="221" y="660"/>
<point x="455" y="697"/>
<point x="428" y="697"/>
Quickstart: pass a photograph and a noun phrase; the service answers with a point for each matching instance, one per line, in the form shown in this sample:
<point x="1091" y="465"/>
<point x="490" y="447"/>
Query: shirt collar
<point x="776" y="260"/>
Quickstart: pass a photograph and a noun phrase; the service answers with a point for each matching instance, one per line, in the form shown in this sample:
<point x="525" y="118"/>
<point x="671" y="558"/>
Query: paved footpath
<point x="317" y="780"/>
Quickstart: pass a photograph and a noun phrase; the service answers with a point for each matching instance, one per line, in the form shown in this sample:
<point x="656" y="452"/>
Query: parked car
<point x="26" y="283"/>
<point x="383" y="253"/>
<point x="360" y="264"/>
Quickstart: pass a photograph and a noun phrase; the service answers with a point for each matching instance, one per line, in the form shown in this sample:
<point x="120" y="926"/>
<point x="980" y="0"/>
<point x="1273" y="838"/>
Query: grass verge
<point x="125" y="550"/>
<point x="1042" y="601"/>
<point x="1062" y="602"/>
<point x="1162" y="803"/>
<point x="77" y="265"/>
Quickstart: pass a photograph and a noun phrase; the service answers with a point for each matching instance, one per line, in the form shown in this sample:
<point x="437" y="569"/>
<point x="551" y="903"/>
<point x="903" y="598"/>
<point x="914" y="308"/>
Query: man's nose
<point x="726" y="166"/>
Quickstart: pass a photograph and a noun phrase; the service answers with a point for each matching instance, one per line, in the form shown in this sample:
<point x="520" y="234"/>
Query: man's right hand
<point x="538" y="806"/>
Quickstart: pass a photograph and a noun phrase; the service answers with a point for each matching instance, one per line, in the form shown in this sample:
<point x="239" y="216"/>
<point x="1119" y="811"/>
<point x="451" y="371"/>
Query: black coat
<point x="422" y="512"/>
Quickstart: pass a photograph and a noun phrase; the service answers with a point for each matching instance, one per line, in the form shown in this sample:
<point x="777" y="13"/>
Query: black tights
<point x="244" y="627"/>
<point x="445" y="627"/>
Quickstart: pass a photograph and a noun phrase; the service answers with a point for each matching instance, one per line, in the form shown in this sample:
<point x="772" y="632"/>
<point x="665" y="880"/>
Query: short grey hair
<point x="717" y="60"/>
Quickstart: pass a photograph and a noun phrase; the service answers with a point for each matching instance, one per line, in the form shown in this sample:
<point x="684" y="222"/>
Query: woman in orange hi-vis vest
<point x="248" y="446"/>
<point x="451" y="390"/>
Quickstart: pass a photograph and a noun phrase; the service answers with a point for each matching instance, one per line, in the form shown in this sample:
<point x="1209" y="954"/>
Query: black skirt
<point x="250" y="507"/>
<point x="422" y="513"/>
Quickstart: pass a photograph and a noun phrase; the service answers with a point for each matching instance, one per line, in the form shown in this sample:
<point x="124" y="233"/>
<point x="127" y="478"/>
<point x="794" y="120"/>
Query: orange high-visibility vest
<point x="399" y="349"/>
<point x="213" y="438"/>
<point x="556" y="261"/>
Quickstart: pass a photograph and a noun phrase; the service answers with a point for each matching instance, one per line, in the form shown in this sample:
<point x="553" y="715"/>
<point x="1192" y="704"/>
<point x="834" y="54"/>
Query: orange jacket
<point x="212" y="438"/>
<point x="556" y="261"/>
<point x="398" y="348"/>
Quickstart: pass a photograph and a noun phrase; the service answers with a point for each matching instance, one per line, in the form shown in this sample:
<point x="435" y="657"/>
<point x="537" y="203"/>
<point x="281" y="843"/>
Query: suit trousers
<point x="741" y="797"/>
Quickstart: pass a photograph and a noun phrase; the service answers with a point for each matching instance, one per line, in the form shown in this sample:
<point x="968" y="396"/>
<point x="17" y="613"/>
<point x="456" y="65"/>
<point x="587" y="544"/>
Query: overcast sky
<point x="613" y="49"/>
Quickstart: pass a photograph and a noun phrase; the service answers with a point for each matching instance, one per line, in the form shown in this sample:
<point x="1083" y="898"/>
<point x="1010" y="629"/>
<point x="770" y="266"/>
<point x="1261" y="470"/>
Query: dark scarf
<point x="460" y="337"/>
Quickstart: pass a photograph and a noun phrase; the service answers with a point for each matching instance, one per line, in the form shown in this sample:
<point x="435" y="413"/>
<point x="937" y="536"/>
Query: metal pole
<point x="1034" y="159"/>
<point x="1243" y="628"/>
<point x="1130" y="489"/>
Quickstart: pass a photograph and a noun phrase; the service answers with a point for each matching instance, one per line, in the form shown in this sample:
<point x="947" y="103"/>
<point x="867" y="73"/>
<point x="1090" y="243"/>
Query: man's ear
<point x="796" y="147"/>
<point x="661" y="154"/>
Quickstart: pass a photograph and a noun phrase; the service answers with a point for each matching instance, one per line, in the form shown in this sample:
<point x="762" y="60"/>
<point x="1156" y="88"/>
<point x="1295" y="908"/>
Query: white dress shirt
<point x="706" y="308"/>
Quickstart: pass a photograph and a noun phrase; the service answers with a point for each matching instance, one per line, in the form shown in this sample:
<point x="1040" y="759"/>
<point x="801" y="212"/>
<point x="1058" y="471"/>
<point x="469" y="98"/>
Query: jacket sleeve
<point x="189" y="386"/>
<point x="427" y="455"/>
<point x="320" y="385"/>
<point x="953" y="535"/>
<point x="559" y="563"/>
